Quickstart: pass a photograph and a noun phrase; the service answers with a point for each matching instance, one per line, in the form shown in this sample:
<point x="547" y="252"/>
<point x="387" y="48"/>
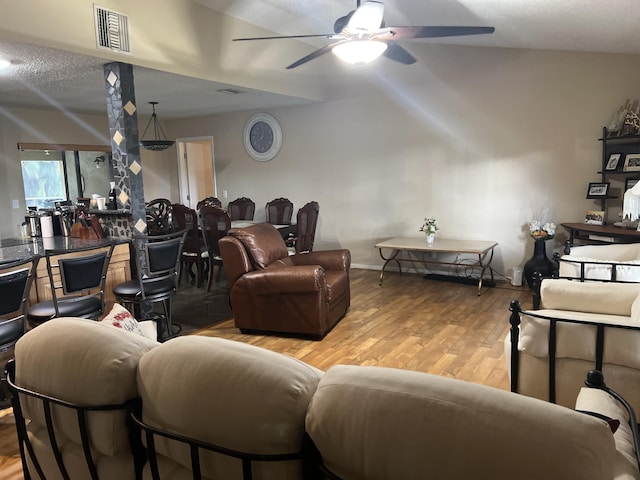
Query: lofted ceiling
<point x="55" y="79"/>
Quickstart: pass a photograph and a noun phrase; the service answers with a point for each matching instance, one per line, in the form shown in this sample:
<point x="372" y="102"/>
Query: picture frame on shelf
<point x="594" y="217"/>
<point x="630" y="183"/>
<point x="613" y="162"/>
<point x="598" y="190"/>
<point x="632" y="162"/>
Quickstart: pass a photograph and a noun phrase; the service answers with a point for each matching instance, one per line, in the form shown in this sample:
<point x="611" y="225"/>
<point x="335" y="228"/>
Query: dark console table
<point x="597" y="234"/>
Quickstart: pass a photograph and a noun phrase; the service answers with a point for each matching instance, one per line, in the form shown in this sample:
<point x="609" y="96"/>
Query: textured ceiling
<point x="60" y="80"/>
<point x="55" y="79"/>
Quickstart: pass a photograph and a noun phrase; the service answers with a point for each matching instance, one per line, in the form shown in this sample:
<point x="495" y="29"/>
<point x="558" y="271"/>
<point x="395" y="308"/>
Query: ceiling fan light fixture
<point x="159" y="142"/>
<point x="359" y="52"/>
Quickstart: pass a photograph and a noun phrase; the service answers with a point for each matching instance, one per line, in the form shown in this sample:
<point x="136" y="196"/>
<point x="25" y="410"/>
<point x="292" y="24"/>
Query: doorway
<point x="196" y="172"/>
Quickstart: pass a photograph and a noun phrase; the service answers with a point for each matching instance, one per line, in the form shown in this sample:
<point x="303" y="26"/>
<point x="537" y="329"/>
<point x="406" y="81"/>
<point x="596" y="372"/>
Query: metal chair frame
<point x="82" y="411"/>
<point x="514" y="335"/>
<point x="196" y="446"/>
<point x="157" y="261"/>
<point x="15" y="284"/>
<point x="75" y="279"/>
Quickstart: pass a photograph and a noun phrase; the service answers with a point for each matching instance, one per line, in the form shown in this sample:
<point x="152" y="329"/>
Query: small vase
<point x="431" y="237"/>
<point x="539" y="262"/>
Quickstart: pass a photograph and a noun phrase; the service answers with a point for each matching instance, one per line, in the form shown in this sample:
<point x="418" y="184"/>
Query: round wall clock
<point x="262" y="137"/>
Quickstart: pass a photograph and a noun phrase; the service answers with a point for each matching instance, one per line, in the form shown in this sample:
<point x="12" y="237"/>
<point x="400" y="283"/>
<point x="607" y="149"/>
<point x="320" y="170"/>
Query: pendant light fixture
<point x="160" y="141"/>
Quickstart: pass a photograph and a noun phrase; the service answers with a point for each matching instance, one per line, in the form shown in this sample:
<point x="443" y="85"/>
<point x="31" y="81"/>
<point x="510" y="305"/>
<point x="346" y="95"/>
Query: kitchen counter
<point x="17" y="248"/>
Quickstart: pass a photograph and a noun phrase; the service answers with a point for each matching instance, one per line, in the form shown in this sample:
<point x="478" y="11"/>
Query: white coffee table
<point x="401" y="248"/>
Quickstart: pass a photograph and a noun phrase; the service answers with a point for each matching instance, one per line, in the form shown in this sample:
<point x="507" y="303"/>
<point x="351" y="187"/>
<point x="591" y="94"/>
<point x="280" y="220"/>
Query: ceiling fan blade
<point x="366" y="18"/>
<point x="322" y="35"/>
<point x="315" y="54"/>
<point x="397" y="53"/>
<point x="399" y="33"/>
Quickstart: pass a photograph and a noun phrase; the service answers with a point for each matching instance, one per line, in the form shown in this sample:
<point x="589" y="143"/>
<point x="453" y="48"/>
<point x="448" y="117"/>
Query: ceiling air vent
<point x="112" y="30"/>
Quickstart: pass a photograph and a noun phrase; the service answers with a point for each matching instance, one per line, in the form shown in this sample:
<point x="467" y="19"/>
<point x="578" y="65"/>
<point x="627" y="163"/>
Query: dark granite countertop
<point x="17" y="248"/>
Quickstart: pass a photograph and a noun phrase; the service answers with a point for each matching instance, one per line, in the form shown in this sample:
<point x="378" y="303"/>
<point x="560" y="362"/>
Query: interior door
<point x="197" y="170"/>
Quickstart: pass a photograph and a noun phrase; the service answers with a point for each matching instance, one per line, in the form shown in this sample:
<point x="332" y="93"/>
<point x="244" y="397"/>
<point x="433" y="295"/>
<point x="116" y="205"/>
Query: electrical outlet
<point x="224" y="194"/>
<point x="16" y="203"/>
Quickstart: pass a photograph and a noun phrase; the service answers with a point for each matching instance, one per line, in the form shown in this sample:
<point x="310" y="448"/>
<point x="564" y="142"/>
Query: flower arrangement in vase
<point x="539" y="262"/>
<point x="429" y="227"/>
<point x="540" y="231"/>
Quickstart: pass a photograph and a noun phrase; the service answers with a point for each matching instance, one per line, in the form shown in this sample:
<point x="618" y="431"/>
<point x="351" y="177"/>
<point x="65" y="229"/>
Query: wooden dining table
<point x="286" y="231"/>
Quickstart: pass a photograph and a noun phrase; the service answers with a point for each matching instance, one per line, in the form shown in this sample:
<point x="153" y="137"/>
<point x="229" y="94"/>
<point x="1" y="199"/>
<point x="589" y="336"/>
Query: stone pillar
<point x="124" y="134"/>
<point x="125" y="144"/>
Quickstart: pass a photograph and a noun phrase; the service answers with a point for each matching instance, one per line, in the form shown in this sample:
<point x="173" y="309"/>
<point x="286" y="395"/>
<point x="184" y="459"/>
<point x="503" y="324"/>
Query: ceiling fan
<point x="362" y="36"/>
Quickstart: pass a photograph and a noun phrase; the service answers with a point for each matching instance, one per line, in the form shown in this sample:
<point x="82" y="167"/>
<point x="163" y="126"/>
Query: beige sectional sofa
<point x="356" y="422"/>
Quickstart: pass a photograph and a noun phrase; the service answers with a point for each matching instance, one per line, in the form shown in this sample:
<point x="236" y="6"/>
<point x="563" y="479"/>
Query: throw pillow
<point x="612" y="422"/>
<point x="120" y="317"/>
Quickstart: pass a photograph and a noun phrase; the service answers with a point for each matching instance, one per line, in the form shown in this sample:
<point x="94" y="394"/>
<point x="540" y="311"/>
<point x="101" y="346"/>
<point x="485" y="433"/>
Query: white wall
<point x="481" y="139"/>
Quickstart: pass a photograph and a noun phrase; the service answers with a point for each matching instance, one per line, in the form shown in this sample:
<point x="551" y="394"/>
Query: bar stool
<point x="157" y="260"/>
<point x="77" y="280"/>
<point x="15" y="284"/>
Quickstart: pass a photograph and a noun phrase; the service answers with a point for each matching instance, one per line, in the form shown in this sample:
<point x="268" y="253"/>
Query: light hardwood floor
<point x="424" y="325"/>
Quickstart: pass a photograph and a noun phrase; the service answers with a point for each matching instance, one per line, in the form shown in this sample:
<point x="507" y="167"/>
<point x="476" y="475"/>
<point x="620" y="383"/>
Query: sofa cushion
<point x="230" y="394"/>
<point x="262" y="242"/>
<point x="88" y="363"/>
<point x="380" y="423"/>
<point x="594" y="297"/>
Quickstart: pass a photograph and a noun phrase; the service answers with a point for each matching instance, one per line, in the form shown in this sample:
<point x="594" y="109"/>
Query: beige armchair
<point x="271" y="291"/>
<point x="580" y="326"/>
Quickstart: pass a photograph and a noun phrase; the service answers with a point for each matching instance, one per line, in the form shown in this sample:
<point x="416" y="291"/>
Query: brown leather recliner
<point x="304" y="294"/>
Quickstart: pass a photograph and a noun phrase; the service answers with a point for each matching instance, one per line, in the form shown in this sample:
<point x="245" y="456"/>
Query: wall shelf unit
<point x="623" y="146"/>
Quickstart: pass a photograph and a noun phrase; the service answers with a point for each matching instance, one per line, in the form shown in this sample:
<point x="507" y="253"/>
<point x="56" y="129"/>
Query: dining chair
<point x="77" y="281"/>
<point x="158" y="213"/>
<point x="157" y="261"/>
<point x="279" y="211"/>
<point x="242" y="208"/>
<point x="15" y="284"/>
<point x="194" y="251"/>
<point x="306" y="221"/>
<point x="215" y="224"/>
<point x="208" y="202"/>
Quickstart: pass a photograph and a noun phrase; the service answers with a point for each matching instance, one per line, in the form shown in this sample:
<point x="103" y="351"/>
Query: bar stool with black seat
<point x="157" y="260"/>
<point x="15" y="284"/>
<point x="77" y="280"/>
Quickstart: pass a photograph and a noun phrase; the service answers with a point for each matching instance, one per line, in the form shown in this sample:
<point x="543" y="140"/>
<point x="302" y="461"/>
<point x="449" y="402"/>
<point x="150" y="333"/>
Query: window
<point x="44" y="182"/>
<point x="52" y="173"/>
